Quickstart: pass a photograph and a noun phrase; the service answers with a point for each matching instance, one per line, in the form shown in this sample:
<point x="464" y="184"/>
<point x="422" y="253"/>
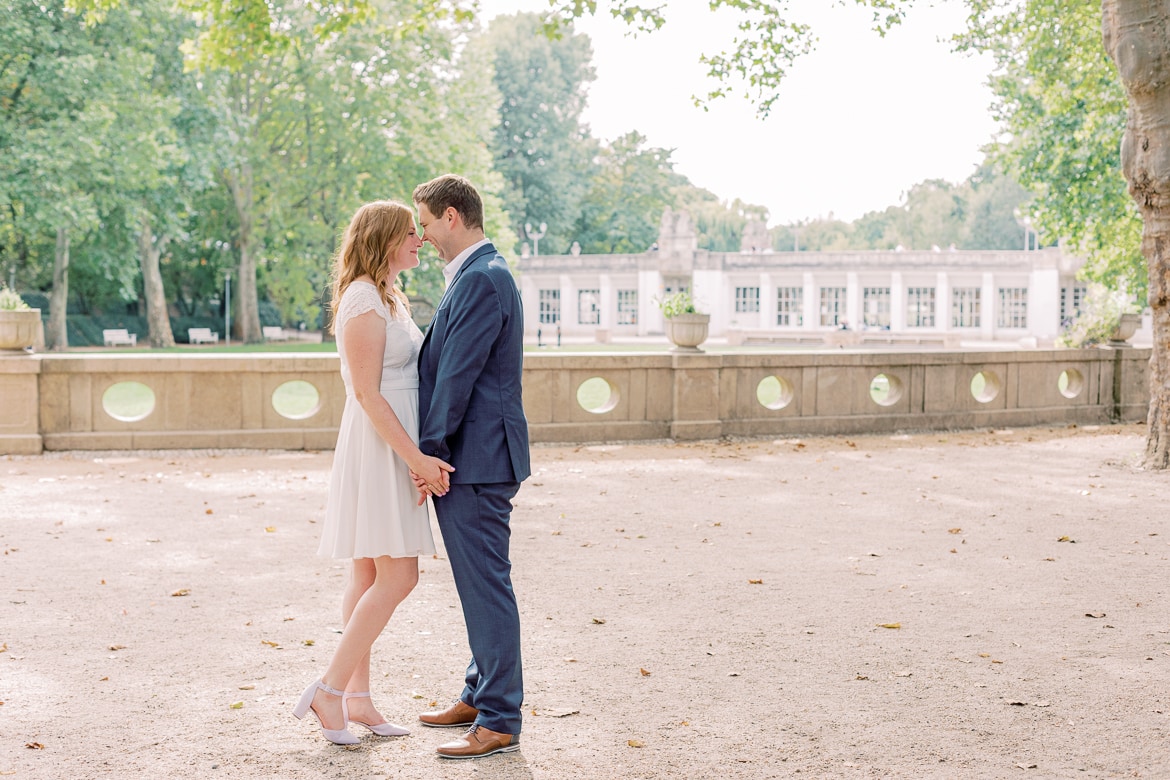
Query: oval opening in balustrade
<point x="128" y="401"/>
<point x="1070" y="383"/>
<point x="885" y="389"/>
<point x="774" y="392"/>
<point x="597" y="395"/>
<point x="985" y="387"/>
<point x="296" y="400"/>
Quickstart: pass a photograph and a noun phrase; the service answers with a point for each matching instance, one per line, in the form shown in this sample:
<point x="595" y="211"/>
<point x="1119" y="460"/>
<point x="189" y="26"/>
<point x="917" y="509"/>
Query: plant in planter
<point x="686" y="327"/>
<point x="19" y="324"/>
<point x="1106" y="317"/>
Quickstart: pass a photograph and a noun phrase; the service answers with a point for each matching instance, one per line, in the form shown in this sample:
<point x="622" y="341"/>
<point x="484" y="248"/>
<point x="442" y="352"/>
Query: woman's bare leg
<point x="394" y="578"/>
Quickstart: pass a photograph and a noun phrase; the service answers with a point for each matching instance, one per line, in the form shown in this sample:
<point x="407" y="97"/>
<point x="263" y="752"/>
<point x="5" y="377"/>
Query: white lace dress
<point x="373" y="506"/>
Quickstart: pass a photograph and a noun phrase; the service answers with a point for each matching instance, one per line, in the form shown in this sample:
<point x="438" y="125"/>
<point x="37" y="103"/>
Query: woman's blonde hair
<point x="375" y="233"/>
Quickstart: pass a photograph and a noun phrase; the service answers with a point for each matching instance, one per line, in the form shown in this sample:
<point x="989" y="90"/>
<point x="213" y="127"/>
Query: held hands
<point x="431" y="477"/>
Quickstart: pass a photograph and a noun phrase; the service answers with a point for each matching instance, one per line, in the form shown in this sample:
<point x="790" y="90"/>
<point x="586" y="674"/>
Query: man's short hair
<point x="451" y="191"/>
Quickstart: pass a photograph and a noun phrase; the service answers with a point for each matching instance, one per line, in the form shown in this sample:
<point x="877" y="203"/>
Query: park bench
<point x="202" y="336"/>
<point x="274" y="333"/>
<point x="119" y="337"/>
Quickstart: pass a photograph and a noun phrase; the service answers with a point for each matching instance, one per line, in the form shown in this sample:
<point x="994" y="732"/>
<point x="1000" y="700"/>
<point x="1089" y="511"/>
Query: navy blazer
<point x="469" y="370"/>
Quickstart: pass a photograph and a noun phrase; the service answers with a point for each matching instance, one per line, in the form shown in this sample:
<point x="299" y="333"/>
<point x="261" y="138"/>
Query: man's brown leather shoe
<point x="458" y="714"/>
<point x="478" y="742"/>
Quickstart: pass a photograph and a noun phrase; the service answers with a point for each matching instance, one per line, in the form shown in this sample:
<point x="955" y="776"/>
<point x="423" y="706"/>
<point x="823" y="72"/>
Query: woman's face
<point x="407" y="255"/>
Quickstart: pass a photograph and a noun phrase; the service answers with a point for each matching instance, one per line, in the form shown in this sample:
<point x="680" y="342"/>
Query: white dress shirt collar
<point x="453" y="267"/>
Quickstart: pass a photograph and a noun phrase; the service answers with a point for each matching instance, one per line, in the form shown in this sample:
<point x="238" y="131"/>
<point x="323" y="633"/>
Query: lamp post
<point x="227" y="308"/>
<point x="1025" y="221"/>
<point x="535" y="235"/>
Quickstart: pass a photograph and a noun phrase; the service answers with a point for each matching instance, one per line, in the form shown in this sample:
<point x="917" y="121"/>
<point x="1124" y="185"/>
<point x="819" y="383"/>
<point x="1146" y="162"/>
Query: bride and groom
<point x="438" y="416"/>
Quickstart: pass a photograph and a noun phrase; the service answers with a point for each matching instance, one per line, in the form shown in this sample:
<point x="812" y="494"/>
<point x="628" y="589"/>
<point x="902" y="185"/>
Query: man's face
<point x="436" y="230"/>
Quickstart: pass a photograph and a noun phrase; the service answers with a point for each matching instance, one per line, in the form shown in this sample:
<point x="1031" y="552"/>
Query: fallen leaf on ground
<point x="635" y="743"/>
<point x="1018" y="703"/>
<point x="755" y="582"/>
<point x="1095" y="614"/>
<point x="889" y="625"/>
<point x="182" y="592"/>
<point x="562" y="712"/>
<point x="1026" y="766"/>
<point x="954" y="530"/>
<point x="34" y="745"/>
<point x="570" y="660"/>
<point x="645" y="672"/>
<point x="236" y="705"/>
<point x="599" y="621"/>
<point x="117" y="647"/>
<point x="269" y="642"/>
<point x="309" y="642"/>
<point x="1067" y="539"/>
<point x="269" y="529"/>
<point x="209" y="512"/>
<point x="247" y="687"/>
<point x="417" y="695"/>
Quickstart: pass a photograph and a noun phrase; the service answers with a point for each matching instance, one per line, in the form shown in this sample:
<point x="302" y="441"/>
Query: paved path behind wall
<point x="978" y="605"/>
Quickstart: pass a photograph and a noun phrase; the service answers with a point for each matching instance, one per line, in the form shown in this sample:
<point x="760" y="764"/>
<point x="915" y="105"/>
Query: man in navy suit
<point x="472" y="417"/>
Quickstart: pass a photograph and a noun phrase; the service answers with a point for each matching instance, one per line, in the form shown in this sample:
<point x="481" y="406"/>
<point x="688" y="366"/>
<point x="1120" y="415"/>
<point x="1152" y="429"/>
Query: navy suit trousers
<point x="474" y="521"/>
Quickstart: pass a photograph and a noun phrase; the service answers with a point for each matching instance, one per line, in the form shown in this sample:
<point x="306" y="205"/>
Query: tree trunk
<point x="58" y="335"/>
<point x="158" y="321"/>
<point x="247" y="319"/>
<point x="1137" y="37"/>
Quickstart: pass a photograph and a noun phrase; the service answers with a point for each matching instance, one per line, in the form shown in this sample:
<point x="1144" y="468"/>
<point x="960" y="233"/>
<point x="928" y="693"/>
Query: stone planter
<point x="1125" y="329"/>
<point x="19" y="329"/>
<point x="687" y="331"/>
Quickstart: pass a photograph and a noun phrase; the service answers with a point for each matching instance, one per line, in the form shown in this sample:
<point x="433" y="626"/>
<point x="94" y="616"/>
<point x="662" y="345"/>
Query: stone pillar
<point x="812" y="302"/>
<point x="852" y="301"/>
<point x="696" y="397"/>
<point x="767" y="302"/>
<point x="607" y="301"/>
<point x="987" y="303"/>
<point x="20" y="412"/>
<point x="897" y="303"/>
<point x="649" y="289"/>
<point x="1044" y="304"/>
<point x="568" y="321"/>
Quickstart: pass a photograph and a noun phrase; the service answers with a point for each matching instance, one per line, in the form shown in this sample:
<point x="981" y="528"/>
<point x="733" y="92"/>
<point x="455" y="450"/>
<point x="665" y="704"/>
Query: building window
<point x="1071" y="300"/>
<point x="627" y="313"/>
<point x="920" y="307"/>
<point x="1013" y="307"/>
<point x="790" y="306"/>
<point x="965" y="307"/>
<point x="832" y="306"/>
<point x="747" y="299"/>
<point x="588" y="307"/>
<point x="550" y="307"/>
<point x="875" y="306"/>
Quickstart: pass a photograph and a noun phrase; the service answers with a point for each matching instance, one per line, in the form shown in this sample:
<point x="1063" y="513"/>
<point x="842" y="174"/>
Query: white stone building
<point x="935" y="296"/>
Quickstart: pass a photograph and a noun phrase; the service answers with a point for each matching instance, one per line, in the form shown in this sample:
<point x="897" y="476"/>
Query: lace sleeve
<point x="358" y="299"/>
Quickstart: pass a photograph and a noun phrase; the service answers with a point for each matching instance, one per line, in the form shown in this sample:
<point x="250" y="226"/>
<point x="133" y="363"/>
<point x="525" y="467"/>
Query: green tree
<point x="539" y="145"/>
<point x="627" y="194"/>
<point x="81" y="127"/>
<point x="1062" y="106"/>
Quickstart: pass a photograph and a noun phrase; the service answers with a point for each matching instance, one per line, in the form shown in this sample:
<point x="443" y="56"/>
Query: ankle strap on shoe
<point x="329" y="690"/>
<point x="358" y="695"/>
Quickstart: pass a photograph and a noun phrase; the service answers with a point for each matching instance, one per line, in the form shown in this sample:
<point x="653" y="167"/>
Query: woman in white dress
<point x="373" y="516"/>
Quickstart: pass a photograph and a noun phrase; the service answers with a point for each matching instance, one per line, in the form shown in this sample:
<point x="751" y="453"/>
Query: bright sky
<point x="859" y="121"/>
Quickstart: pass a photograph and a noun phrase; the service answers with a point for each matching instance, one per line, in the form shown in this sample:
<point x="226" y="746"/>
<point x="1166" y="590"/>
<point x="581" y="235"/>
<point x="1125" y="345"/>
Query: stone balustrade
<point x="283" y="401"/>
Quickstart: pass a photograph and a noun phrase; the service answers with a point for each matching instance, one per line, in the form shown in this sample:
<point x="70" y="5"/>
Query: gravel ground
<point x="988" y="604"/>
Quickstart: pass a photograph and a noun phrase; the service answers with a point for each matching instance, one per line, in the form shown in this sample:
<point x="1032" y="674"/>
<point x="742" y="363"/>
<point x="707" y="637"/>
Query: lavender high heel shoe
<point x="305" y="705"/>
<point x="382" y="729"/>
